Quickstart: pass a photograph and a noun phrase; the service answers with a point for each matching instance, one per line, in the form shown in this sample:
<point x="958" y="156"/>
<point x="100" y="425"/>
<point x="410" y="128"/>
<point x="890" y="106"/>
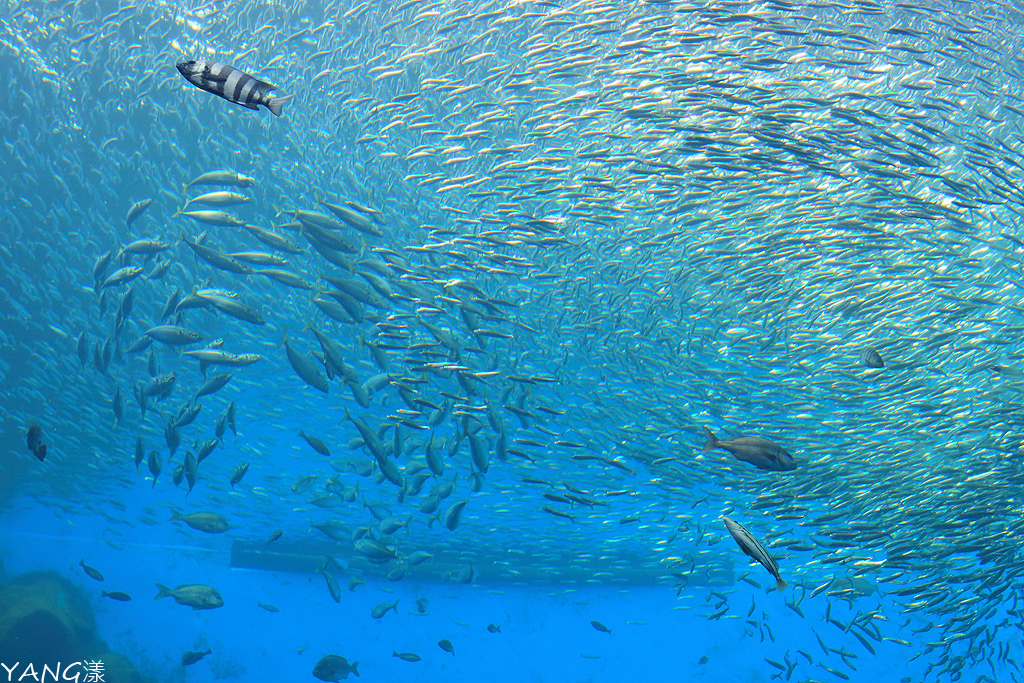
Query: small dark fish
<point x="194" y="595"/>
<point x="232" y="84"/>
<point x="383" y="608"/>
<point x="269" y="608"/>
<point x="117" y="595"/>
<point x="90" y="571"/>
<point x="35" y="441"/>
<point x="600" y="627"/>
<point x="761" y="453"/>
<point x="276" y="535"/>
<point x="493" y="628"/>
<point x="239" y="472"/>
<point x="156" y="465"/>
<point x="407" y="656"/>
<point x="872" y="359"/>
<point x="559" y="513"/>
<point x="210" y="522"/>
<point x="753" y="548"/>
<point x="193" y="656"/>
<point x="334" y="668"/>
<point x="315" y="443"/>
<point x="446" y="645"/>
<point x="332" y="584"/>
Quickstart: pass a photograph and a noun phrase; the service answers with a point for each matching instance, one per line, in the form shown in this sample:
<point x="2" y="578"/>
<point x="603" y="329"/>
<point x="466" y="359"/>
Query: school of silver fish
<point x="584" y="275"/>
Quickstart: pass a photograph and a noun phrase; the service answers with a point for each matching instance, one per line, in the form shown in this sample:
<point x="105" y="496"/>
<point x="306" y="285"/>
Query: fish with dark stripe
<point x="753" y="548"/>
<point x="232" y="84"/>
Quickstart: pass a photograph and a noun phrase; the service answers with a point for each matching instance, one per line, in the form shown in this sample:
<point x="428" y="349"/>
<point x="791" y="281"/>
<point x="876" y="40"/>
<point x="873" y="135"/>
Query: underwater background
<point x="454" y="368"/>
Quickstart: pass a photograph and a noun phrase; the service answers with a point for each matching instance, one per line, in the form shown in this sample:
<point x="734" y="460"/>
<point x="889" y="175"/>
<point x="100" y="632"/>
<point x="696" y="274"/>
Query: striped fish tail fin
<point x="276" y="104"/>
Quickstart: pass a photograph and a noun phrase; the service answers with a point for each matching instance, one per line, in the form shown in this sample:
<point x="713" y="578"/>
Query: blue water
<point x="545" y="635"/>
<point x="604" y="354"/>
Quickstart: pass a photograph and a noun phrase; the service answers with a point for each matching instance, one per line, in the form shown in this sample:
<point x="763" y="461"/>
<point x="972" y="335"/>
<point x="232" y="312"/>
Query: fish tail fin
<point x="164" y="591"/>
<point x="355" y="668"/>
<point x="276" y="104"/>
<point x="104" y="594"/>
<point x="710" y="441"/>
<point x="780" y="584"/>
<point x="175" y="516"/>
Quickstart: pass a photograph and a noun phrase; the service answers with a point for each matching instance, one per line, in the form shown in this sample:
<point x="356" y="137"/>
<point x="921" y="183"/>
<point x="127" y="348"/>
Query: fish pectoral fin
<point x="207" y="77"/>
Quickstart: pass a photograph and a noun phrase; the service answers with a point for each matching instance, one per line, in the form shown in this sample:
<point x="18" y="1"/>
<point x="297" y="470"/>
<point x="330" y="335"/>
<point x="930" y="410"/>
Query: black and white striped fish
<point x="752" y="547"/>
<point x="232" y="84"/>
